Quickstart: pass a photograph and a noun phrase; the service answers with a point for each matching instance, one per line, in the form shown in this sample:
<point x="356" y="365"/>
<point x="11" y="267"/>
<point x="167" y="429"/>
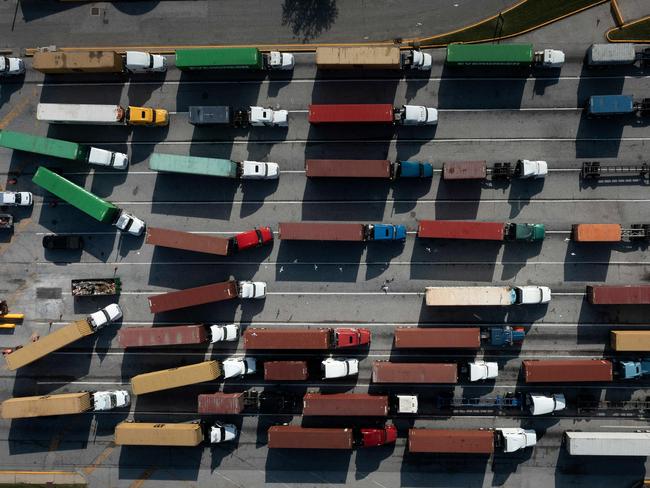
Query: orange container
<point x="597" y="232"/>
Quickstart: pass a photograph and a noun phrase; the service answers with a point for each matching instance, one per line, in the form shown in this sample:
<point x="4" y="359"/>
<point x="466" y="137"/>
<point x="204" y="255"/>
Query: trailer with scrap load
<point x="96" y="287"/>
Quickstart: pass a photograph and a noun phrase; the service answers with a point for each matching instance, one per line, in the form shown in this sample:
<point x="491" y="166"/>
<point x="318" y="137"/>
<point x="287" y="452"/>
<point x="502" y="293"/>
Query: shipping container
<point x="211" y="115"/>
<point x="351" y="113"/>
<point x="188" y="241"/>
<point x="57" y="148"/>
<point x="630" y="340"/>
<point x="76" y="196"/>
<point x="129" y="433"/>
<point x="219" y="58"/>
<point x="606" y="105"/>
<point x="260" y="338"/>
<point x="364" y="57"/>
<point x="459" y="441"/>
<point x="490" y="54"/>
<point x="596" y="232"/>
<point x="607" y="443"/>
<point x="175" y="377"/>
<point x="348" y="168"/>
<point x="221" y="403"/>
<point x="320" y="231"/>
<point x="162" y="336"/>
<point x="190" y="297"/>
<point x="285" y="370"/>
<point x="44" y="405"/>
<point x="461" y="229"/>
<point x="611" y="54"/>
<point x="345" y="405"/>
<point x="45" y="345"/>
<point x="618" y="295"/>
<point x="442" y="337"/>
<point x="567" y="370"/>
<point x="174" y="163"/>
<point x="464" y="170"/>
<point x="57" y="62"/>
<point x="469" y="295"/>
<point x="296" y="437"/>
<point x="389" y="372"/>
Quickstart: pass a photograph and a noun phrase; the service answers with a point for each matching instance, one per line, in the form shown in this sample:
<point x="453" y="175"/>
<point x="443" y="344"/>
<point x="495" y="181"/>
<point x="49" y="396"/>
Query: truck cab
<point x="16" y="198"/>
<point x="374" y="437"/>
<point x="416" y="59"/>
<point x="540" y="404"/>
<point x="524" y="232"/>
<point x="526" y="168"/>
<point x="407" y="404"/>
<point x="481" y="370"/>
<point x="417" y="115"/>
<point x="267" y="117"/>
<point x="339" y="367"/>
<point x="146" y="116"/>
<point x="234" y="367"/>
<point x="633" y="369"/>
<point x="526" y="295"/>
<point x="253" y="238"/>
<point x="105" y="316"/>
<point x="514" y="439"/>
<point x="129" y="223"/>
<point x="252" y="289"/>
<point x="142" y="62"/>
<point x="108" y="400"/>
<point x="506" y="335"/>
<point x="549" y="58"/>
<point x="412" y="169"/>
<point x="224" y="333"/>
<point x="111" y="159"/>
<point x="281" y="61"/>
<point x="222" y="432"/>
<point x="386" y="232"/>
<point x="351" y="337"/>
<point x="11" y="66"/>
<point x="253" y="170"/>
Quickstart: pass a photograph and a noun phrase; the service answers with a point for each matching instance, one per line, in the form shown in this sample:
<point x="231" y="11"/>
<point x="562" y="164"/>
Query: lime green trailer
<point x="220" y="58"/>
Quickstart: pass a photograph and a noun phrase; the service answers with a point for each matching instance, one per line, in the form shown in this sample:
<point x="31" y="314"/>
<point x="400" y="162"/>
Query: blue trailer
<point x="606" y="105"/>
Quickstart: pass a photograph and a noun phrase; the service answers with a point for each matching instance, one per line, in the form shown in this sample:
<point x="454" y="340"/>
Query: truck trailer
<point x="59" y="62"/>
<point x="76" y="113"/>
<point x="630" y="340"/>
<point x="497" y="55"/>
<point x="610" y="105"/>
<point x="456" y="337"/>
<point x="616" y="54"/>
<point x="345" y="405"/>
<point x="484" y="231"/>
<point x="223" y="168"/>
<point x="64" y="404"/>
<point x="479" y="170"/>
<point x="95" y="287"/>
<point x="220" y="246"/>
<point x="610" y="232"/>
<point x="224" y="115"/>
<point x="178" y="335"/>
<point x="130" y="433"/>
<point x="285" y="371"/>
<point x="378" y="113"/>
<point x="367" y="168"/>
<point x="478" y="296"/>
<point x="296" y="437"/>
<point x="304" y="339"/>
<point x="618" y="294"/>
<point x="20" y="141"/>
<point x="470" y="441"/>
<point x="389" y="372"/>
<point x="567" y="371"/>
<point x="607" y="443"/>
<point x="176" y="377"/>
<point x="30" y="352"/>
<point x="245" y="58"/>
<point x="371" y="57"/>
<point x="328" y="231"/>
<point x="101" y="210"/>
<point x="254" y="401"/>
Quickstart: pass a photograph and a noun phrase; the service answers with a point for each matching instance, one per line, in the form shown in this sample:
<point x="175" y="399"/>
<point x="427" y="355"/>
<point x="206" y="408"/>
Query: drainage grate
<point x="94" y="11"/>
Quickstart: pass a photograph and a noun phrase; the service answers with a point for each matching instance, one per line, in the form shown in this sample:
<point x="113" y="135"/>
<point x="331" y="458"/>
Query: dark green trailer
<point x="220" y="58"/>
<point x="43" y="145"/>
<point x="517" y="55"/>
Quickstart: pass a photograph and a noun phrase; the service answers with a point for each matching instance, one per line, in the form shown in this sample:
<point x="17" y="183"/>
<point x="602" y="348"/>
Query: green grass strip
<point x="637" y="31"/>
<point x="525" y="16"/>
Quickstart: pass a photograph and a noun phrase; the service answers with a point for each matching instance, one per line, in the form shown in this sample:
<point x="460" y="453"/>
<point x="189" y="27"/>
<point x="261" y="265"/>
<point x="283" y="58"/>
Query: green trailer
<point x="57" y="148"/>
<point x="194" y="165"/>
<point x="76" y="196"/>
<point x="490" y="55"/>
<point x="220" y="58"/>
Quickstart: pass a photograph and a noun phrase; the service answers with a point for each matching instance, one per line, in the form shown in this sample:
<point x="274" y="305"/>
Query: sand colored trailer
<point x="175" y="377"/>
<point x="158" y="434"/>
<point x="40" y="406"/>
<point x="58" y="62"/>
<point x="630" y="340"/>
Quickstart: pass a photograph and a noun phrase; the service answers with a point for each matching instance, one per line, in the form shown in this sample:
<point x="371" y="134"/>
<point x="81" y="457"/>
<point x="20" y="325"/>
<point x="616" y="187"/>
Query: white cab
<point x="105" y="316"/>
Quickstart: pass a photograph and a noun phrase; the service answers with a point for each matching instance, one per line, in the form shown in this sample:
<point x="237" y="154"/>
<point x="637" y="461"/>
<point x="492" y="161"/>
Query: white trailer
<point x="607" y="443"/>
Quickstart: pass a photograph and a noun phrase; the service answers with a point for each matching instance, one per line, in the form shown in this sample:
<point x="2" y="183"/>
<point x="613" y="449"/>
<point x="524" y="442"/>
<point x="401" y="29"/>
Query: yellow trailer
<point x="130" y="433"/>
<point x="56" y="62"/>
<point x="630" y="340"/>
<point x="370" y="57"/>
<point x="41" y="406"/>
<point x="175" y="377"/>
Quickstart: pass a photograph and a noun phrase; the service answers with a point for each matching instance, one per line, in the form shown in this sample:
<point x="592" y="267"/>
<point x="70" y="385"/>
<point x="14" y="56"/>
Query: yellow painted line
<point x="17" y="110"/>
<point x="144" y="476"/>
<point x="639" y="41"/>
<point x="617" y="13"/>
<point x="12" y="316"/>
<point x="88" y="470"/>
<point x="39" y="473"/>
<point x="7" y="326"/>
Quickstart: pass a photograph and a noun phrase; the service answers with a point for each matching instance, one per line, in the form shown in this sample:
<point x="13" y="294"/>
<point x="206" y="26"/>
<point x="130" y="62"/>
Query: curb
<point x="42" y="478"/>
<point x="639" y="41"/>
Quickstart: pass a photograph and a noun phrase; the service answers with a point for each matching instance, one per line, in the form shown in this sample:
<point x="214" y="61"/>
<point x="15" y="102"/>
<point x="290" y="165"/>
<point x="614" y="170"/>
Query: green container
<point x="529" y="232"/>
<point x="193" y="165"/>
<point x="490" y="54"/>
<point x="219" y="58"/>
<point x="75" y="195"/>
<point x="42" y="145"/>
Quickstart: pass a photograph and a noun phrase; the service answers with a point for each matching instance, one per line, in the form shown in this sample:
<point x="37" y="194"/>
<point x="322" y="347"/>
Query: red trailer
<point x="567" y="371"/>
<point x="285" y="370"/>
<point x="379" y="113"/>
<point x="464" y="170"/>
<point x="163" y="336"/>
<point x="618" y="295"/>
<point x="321" y="231"/>
<point x="208" y="244"/>
<point x="464" y="441"/>
<point x="461" y="229"/>
<point x="193" y="296"/>
<point x="296" y="437"/>
<point x="444" y="338"/>
<point x="221" y="403"/>
<point x="388" y="372"/>
<point x="316" y="339"/>
<point x="348" y="168"/>
<point x="345" y="405"/>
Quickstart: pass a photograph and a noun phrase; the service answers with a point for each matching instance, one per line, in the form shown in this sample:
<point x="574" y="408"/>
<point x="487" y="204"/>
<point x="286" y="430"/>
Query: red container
<point x="348" y="168"/>
<point x="444" y="338"/>
<point x="221" y="403"/>
<point x="451" y="441"/>
<point x="162" y="336"/>
<point x="295" y="437"/>
<point x="345" y="405"/>
<point x="187" y="241"/>
<point x="387" y="372"/>
<point x="193" y="296"/>
<point x="379" y="113"/>
<point x="256" y="338"/>
<point x="285" y="370"/>
<point x="618" y="295"/>
<point x="461" y="229"/>
<point x="567" y="371"/>
<point x="464" y="170"/>
<point x="320" y="231"/>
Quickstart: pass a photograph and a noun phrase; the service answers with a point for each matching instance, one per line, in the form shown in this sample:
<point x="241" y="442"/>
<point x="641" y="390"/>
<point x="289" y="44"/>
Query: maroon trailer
<point x="193" y="296"/>
<point x="221" y="403"/>
<point x="317" y="339"/>
<point x="163" y="336"/>
<point x="349" y="168"/>
<point x="345" y="405"/>
<point x="321" y="231"/>
<point x="379" y="113"/>
<point x="434" y="337"/>
<point x="566" y="371"/>
<point x="388" y="372"/>
<point x="187" y="241"/>
<point x="618" y="295"/>
<point x="461" y="229"/>
<point x="285" y="370"/>
<point x="464" y="170"/>
<point x="451" y="441"/>
<point x="296" y="437"/>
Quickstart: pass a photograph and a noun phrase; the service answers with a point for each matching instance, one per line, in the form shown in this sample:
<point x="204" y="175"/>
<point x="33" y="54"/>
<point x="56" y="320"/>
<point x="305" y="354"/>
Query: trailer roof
<point x="489" y="53"/>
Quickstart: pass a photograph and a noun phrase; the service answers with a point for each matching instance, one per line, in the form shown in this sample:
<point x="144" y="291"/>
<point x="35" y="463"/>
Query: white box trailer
<point x="607" y="443"/>
<point x="71" y="113"/>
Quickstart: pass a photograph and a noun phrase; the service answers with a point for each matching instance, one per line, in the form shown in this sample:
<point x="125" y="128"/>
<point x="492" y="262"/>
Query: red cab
<point x="253" y="238"/>
<point x="378" y="437"/>
<point x="351" y="337"/>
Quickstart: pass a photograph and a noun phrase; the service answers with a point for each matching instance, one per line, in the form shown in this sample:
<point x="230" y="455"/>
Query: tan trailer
<point x="630" y="340"/>
<point x="42" y="406"/>
<point x="175" y="377"/>
<point x="367" y="57"/>
<point x="151" y="434"/>
<point x="57" y="62"/>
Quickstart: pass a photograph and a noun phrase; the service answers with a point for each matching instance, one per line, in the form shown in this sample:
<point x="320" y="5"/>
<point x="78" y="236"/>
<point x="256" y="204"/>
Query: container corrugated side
<point x="54" y="62"/>
<point x="351" y="113"/>
<point x="464" y="170"/>
<point x="158" y="434"/>
<point x="618" y="294"/>
<point x="296" y="437"/>
<point x="285" y="370"/>
<point x="320" y="231"/>
<point x="348" y="168"/>
<point x="438" y="337"/>
<point x="596" y="232"/>
<point x="40" y="145"/>
<point x="193" y="165"/>
<point x="219" y="58"/>
<point x="260" y="338"/>
<point x="451" y="441"/>
<point x="162" y="336"/>
<point x="190" y="297"/>
<point x="368" y="57"/>
<point x="461" y="229"/>
<point x="41" y="406"/>
<point x="345" y="405"/>
<point x="490" y="54"/>
<point x="630" y="340"/>
<point x="475" y="296"/>
<point x="613" y="53"/>
<point x="187" y="241"/>
<point x="175" y="377"/>
<point x="389" y="372"/>
<point x="569" y="370"/>
<point x="221" y="403"/>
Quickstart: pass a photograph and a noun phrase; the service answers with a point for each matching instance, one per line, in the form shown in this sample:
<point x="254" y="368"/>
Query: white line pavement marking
<point x="340" y="263"/>
<point x="338" y="293"/>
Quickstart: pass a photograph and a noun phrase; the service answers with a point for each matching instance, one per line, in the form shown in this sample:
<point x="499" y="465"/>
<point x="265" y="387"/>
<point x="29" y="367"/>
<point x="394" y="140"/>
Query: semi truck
<point x="130" y="433"/>
<point x="178" y="335"/>
<point x="367" y="168"/>
<point x="327" y="231"/>
<point x="616" y="54"/>
<point x="456" y="337"/>
<point x="223" y="168"/>
<point x="583" y="370"/>
<point x="101" y="210"/>
<point x="534" y="403"/>
<point x="497" y="55"/>
<point x="285" y="371"/>
<point x="201" y="295"/>
<point x="30" y="352"/>
<point x="597" y="443"/>
<point x="470" y="441"/>
<point x="64" y="404"/>
<point x="345" y="405"/>
<point x="57" y="148"/>
<point x="372" y="57"/>
<point x="389" y="372"/>
<point x="618" y="294"/>
<point x="59" y="62"/>
<point x="479" y="170"/>
<point x="10" y="66"/>
<point x="296" y="437"/>
<point x="223" y="115"/>
<point x="484" y="231"/>
<point x="266" y="401"/>
<point x="220" y="246"/>
<point x="610" y="233"/>
<point x="303" y="339"/>
<point x="95" y="287"/>
<point x="478" y="296"/>
<point x="248" y="58"/>
<point x="378" y="113"/>
<point x="609" y="105"/>
<point x="630" y="340"/>
<point x="77" y="113"/>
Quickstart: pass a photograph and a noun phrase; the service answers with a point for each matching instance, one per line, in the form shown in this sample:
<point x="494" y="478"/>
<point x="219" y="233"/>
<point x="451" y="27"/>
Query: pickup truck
<point x="11" y="66"/>
<point x="16" y="198"/>
<point x="339" y="367"/>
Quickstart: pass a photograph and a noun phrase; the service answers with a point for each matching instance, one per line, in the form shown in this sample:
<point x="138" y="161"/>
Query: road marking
<point x="88" y="470"/>
<point x="337" y="293"/>
<point x="144" y="476"/>
<point x="532" y="109"/>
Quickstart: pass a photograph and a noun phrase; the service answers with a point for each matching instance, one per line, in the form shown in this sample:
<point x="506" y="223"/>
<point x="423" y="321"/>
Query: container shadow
<point x="153" y="462"/>
<point x="319" y="261"/>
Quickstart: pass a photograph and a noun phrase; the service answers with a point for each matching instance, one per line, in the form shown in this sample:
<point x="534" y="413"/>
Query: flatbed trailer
<point x="594" y="170"/>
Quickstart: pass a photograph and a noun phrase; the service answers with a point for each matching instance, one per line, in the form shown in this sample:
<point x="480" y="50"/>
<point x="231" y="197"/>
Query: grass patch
<point x="637" y="31"/>
<point x="523" y="17"/>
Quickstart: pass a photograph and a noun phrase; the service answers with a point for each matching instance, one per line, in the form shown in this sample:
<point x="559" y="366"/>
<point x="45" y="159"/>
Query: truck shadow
<point x="153" y="463"/>
<point x="457" y="200"/>
<point x="38" y="435"/>
<point x="443" y="470"/>
<point x="515" y="256"/>
<point x="9" y="88"/>
<point x="511" y="315"/>
<point x="597" y="471"/>
<point x="521" y="192"/>
<point x="587" y="261"/>
<point x="306" y="466"/>
<point x="319" y="261"/>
